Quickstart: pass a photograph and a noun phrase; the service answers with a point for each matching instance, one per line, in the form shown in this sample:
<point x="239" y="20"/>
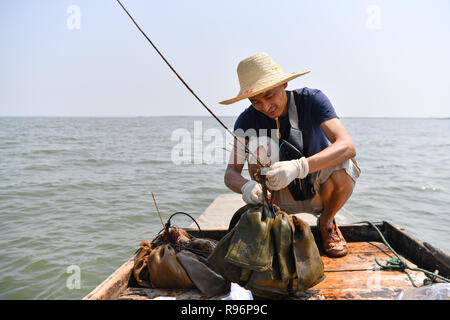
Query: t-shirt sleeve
<point x="321" y="107"/>
<point x="244" y="124"/>
<point x="240" y="123"/>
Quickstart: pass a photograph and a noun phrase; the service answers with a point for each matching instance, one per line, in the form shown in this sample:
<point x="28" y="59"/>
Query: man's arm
<point x="251" y="190"/>
<point x="233" y="178"/>
<point x="340" y="150"/>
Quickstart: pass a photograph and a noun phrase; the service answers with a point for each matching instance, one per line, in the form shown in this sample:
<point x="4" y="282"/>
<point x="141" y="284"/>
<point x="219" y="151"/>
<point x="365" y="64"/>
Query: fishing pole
<point x="184" y="82"/>
<point x="247" y="150"/>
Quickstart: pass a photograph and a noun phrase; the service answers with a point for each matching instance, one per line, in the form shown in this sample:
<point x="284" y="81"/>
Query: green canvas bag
<point x="274" y="256"/>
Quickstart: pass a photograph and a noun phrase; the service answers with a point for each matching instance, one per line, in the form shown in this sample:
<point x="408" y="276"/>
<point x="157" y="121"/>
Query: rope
<point x="167" y="226"/>
<point x="398" y="263"/>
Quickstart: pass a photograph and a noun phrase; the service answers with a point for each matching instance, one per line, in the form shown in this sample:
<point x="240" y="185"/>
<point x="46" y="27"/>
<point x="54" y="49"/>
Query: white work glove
<point x="282" y="173"/>
<point x="252" y="192"/>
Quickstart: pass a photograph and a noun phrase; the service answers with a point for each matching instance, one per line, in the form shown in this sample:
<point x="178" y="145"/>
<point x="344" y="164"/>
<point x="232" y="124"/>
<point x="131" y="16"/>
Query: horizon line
<point x="208" y="116"/>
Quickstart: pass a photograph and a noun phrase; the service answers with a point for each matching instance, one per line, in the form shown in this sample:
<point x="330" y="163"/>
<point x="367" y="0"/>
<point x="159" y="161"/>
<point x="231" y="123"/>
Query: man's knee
<point x="342" y="180"/>
<point x="338" y="182"/>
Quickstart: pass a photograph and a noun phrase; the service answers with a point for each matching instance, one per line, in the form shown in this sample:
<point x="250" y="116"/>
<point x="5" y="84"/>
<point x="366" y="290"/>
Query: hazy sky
<point x="371" y="58"/>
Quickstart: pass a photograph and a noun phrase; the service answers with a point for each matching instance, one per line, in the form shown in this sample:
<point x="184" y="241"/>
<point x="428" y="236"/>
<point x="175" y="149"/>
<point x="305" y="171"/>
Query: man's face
<point x="271" y="102"/>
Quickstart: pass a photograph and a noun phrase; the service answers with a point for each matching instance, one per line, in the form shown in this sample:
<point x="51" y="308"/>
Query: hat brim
<point x="261" y="90"/>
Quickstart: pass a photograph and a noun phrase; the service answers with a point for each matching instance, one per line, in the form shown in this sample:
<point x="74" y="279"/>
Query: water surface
<point x="77" y="191"/>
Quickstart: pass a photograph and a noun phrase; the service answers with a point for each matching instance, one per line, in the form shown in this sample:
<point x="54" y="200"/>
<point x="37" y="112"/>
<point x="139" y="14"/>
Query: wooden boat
<point x="355" y="276"/>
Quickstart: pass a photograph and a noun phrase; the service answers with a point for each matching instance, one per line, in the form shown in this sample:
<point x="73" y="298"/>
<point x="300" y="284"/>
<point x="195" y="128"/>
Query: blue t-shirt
<point x="316" y="110"/>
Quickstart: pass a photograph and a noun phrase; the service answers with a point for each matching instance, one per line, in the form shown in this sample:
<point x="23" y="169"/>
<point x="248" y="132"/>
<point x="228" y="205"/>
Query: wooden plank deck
<point x="219" y="213"/>
<point x="357" y="276"/>
<point x="353" y="277"/>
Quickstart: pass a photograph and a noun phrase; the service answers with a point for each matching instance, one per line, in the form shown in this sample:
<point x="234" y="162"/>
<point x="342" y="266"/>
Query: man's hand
<point x="282" y="173"/>
<point x="252" y="193"/>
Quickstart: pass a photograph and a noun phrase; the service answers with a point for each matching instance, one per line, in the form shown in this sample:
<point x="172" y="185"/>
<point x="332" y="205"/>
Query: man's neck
<point x="285" y="108"/>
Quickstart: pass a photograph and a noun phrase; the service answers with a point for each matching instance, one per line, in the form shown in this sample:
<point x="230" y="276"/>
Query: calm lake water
<point x="75" y="193"/>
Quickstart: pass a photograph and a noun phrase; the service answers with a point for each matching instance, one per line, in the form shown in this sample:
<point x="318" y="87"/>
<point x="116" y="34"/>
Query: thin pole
<point x="185" y="84"/>
<point x="159" y="214"/>
<point x="170" y="66"/>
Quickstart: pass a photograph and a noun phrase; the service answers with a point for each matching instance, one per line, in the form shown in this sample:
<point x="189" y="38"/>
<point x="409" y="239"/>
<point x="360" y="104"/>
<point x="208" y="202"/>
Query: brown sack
<point x="183" y="237"/>
<point x="178" y="236"/>
<point x="202" y="246"/>
<point x="165" y="270"/>
<point x="140" y="270"/>
<point x="175" y="235"/>
<point x="204" y="278"/>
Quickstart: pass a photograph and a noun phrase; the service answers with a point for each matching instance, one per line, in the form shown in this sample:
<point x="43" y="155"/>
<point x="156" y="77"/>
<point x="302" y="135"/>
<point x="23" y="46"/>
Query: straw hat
<point x="260" y="73"/>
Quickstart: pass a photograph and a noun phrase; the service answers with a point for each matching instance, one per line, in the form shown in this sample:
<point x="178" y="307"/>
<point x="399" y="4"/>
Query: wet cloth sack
<point x="140" y="267"/>
<point x="174" y="260"/>
<point x="205" y="279"/>
<point x="165" y="270"/>
<point x="274" y="256"/>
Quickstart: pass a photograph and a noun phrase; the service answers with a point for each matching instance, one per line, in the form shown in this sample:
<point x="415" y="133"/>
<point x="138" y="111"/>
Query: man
<point x="328" y="150"/>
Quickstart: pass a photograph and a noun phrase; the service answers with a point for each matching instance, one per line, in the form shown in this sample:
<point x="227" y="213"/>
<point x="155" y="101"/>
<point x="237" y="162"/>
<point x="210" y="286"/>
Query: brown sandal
<point x="333" y="242"/>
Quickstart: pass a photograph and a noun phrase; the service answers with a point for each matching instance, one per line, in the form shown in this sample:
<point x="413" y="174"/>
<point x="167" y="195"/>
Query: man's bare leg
<point x="335" y="192"/>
